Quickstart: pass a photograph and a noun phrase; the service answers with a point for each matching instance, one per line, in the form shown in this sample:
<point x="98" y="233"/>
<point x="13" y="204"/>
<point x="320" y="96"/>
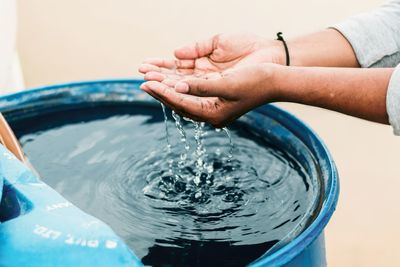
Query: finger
<point x="144" y="68"/>
<point x="185" y="64"/>
<point x="145" y="88"/>
<point x="161" y="62"/>
<point x="181" y="112"/>
<point x="197" y="50"/>
<point x="170" y="79"/>
<point x="154" y="76"/>
<point x="202" y="87"/>
<point x="171" y="63"/>
<point x="185" y="71"/>
<point x="150" y="87"/>
<point x="153" y="86"/>
<point x="170" y="82"/>
<point x="178" y="76"/>
<point x="185" y="104"/>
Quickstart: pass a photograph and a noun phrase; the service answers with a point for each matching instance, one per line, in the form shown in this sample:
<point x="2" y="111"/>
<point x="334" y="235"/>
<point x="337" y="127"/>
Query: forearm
<point x="327" y="48"/>
<point x="356" y="92"/>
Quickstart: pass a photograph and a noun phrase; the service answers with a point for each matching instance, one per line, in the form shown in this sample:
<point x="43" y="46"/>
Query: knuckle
<point x="198" y="48"/>
<point x="202" y="90"/>
<point x="216" y="40"/>
<point x="178" y="64"/>
<point x="217" y="37"/>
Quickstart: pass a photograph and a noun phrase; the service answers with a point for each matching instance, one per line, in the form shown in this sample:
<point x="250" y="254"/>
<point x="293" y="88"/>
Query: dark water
<point x="113" y="163"/>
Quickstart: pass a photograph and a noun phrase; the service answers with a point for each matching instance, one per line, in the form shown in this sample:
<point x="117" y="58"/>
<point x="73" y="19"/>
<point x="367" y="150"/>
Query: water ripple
<point x="117" y="169"/>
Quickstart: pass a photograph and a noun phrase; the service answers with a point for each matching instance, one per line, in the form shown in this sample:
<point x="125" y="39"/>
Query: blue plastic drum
<point x="40" y="228"/>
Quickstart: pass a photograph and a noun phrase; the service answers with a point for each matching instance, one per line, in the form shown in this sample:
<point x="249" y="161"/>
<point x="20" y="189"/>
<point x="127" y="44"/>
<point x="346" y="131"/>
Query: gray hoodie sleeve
<point x="375" y="38"/>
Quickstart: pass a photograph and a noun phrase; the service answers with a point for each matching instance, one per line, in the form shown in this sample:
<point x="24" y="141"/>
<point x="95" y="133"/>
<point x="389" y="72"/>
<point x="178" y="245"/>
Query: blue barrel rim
<point x="299" y="128"/>
<point x="305" y="238"/>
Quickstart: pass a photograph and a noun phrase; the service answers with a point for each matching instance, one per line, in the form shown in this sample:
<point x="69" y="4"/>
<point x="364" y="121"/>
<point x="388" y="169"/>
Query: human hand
<point x="217" y="54"/>
<point x="217" y="98"/>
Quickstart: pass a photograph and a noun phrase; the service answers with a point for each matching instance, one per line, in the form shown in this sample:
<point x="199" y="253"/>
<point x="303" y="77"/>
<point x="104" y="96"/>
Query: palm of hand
<point x="232" y="51"/>
<point x="217" y="54"/>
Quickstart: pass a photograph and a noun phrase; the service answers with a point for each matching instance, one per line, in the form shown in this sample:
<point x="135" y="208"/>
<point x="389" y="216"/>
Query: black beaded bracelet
<point x="280" y="38"/>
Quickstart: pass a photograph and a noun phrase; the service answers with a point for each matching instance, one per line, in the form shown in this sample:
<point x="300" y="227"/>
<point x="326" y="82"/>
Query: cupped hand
<point x="217" y="98"/>
<point x="217" y="54"/>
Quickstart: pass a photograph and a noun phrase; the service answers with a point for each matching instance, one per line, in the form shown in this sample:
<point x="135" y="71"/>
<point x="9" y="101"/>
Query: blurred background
<point x="62" y="41"/>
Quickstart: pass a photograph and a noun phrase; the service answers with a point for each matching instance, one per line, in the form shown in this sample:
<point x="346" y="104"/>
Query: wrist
<point x="273" y="81"/>
<point x="271" y="51"/>
<point x="296" y="57"/>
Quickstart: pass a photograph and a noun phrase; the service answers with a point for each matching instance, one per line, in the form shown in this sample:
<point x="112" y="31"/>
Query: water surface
<point x="113" y="163"/>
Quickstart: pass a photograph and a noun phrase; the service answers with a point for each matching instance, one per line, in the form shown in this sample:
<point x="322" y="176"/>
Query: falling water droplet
<point x="230" y="153"/>
<point x="184" y="140"/>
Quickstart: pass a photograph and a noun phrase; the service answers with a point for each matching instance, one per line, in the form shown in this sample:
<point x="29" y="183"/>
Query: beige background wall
<point x="62" y="40"/>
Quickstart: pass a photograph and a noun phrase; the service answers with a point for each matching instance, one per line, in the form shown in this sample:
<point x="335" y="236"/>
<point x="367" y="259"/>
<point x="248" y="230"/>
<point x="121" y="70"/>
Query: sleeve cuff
<point x="393" y="101"/>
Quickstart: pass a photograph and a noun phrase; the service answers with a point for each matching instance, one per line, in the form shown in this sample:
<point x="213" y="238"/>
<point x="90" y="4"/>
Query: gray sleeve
<point x="375" y="38"/>
<point x="393" y="101"/>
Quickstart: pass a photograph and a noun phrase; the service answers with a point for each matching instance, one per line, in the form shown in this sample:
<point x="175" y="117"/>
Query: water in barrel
<point x="192" y="199"/>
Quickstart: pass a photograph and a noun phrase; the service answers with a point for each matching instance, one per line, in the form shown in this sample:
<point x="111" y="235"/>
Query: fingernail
<point x="147" y="77"/>
<point x="182" y="87"/>
<point x="142" y="69"/>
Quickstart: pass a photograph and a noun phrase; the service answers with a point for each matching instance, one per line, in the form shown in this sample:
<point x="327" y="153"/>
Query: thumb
<point x="201" y="87"/>
<point x="198" y="49"/>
